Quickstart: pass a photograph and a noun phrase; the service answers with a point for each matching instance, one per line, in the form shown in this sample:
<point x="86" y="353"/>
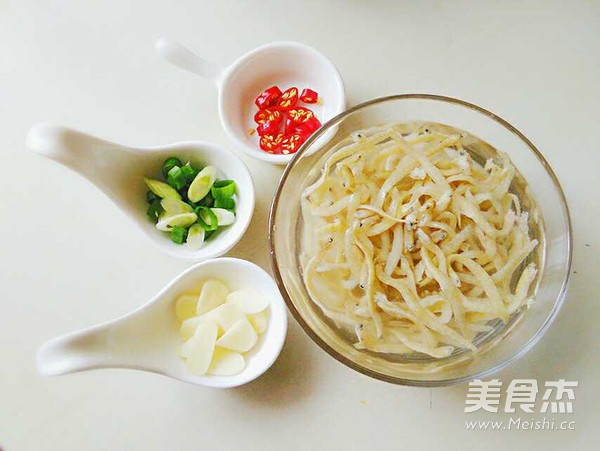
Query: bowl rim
<point x="397" y="380"/>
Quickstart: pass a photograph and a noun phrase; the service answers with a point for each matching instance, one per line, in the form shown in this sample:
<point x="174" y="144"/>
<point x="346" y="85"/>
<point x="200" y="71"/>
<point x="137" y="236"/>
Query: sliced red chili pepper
<point x="309" y="96"/>
<point x="290" y="126"/>
<point x="300" y="114"/>
<point x="291" y="143"/>
<point x="313" y="123"/>
<point x="270" y="127"/>
<point x="268" y="98"/>
<point x="288" y="99"/>
<point x="270" y="142"/>
<point x="307" y="128"/>
<point x="304" y="130"/>
<point x="297" y="116"/>
<point x="268" y="114"/>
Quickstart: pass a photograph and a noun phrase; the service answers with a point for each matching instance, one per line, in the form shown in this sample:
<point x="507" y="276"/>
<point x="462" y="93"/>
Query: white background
<point x="70" y="259"/>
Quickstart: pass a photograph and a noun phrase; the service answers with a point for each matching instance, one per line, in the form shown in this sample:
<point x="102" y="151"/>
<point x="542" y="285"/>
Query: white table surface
<point x="69" y="259"/>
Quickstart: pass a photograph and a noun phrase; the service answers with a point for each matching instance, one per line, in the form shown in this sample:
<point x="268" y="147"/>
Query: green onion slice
<point x="150" y="197"/>
<point x="207" y="201"/>
<point x="195" y="236"/>
<point x="155" y="209"/>
<point x="189" y="173"/>
<point x="227" y="203"/>
<point x="162" y="189"/>
<point x="169" y="164"/>
<point x="174" y="207"/>
<point x="224" y="217"/>
<point x="178" y="235"/>
<point x="207" y="219"/>
<point x="176" y="178"/>
<point x="202" y="183"/>
<point x="223" y="189"/>
<point x="166" y="223"/>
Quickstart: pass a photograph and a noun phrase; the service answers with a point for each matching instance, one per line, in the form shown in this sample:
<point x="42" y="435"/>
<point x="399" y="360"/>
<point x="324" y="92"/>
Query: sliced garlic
<point x="218" y="326"/>
<point x="226" y="362"/>
<point x="259" y="321"/>
<point x="201" y="348"/>
<point x="188" y="327"/>
<point x="239" y="337"/>
<point x="214" y="292"/>
<point x="186" y="347"/>
<point x="225" y="315"/>
<point x="248" y="300"/>
<point x="186" y="306"/>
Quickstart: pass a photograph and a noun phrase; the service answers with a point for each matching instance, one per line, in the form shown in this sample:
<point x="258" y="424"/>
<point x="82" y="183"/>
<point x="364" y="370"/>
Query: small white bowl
<point x="283" y="64"/>
<point x="148" y="338"/>
<point x="119" y="172"/>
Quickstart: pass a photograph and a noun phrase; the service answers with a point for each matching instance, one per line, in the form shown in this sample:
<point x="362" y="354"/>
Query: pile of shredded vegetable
<point x="412" y="244"/>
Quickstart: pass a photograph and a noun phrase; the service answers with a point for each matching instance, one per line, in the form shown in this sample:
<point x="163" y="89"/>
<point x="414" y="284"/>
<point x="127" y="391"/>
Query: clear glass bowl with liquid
<point x="507" y="342"/>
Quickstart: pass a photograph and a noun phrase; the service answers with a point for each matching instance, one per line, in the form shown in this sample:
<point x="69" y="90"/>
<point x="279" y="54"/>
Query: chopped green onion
<point x="224" y="217"/>
<point x="161" y="189"/>
<point x="176" y="178"/>
<point x="155" y="209"/>
<point x="189" y="173"/>
<point x="169" y="164"/>
<point x="183" y="192"/>
<point x="207" y="219"/>
<point x="227" y="203"/>
<point x="174" y="207"/>
<point x="150" y="197"/>
<point x="166" y="223"/>
<point x="192" y="205"/>
<point x="207" y="201"/>
<point x="178" y="235"/>
<point x="223" y="189"/>
<point x="202" y="183"/>
<point x="195" y="236"/>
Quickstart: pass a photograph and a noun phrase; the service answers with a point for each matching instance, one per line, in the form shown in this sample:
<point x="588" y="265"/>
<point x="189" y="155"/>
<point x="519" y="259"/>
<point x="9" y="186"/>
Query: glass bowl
<point x="508" y="342"/>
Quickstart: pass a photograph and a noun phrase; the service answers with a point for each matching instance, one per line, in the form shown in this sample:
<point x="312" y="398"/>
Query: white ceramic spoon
<point x="284" y="64"/>
<point x="148" y="338"/>
<point x="119" y="171"/>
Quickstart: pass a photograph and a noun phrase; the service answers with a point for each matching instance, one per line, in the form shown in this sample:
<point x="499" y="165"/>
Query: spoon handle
<point x="105" y="164"/>
<point x="137" y="340"/>
<point x="187" y="60"/>
<point x="79" y="351"/>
